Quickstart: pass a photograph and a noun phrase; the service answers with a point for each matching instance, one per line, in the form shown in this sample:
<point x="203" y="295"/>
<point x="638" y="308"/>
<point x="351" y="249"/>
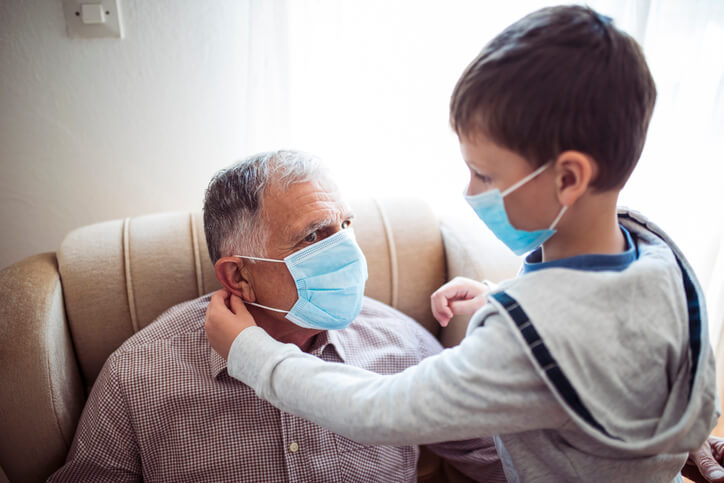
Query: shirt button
<point x="294" y="447"/>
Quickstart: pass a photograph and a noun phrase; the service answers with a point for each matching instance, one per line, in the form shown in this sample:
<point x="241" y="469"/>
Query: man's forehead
<point x="302" y="204"/>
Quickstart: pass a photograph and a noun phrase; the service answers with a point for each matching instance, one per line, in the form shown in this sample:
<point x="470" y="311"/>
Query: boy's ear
<point x="234" y="275"/>
<point x="574" y="172"/>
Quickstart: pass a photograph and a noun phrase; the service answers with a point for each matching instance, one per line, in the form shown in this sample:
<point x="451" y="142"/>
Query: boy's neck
<point x="590" y="226"/>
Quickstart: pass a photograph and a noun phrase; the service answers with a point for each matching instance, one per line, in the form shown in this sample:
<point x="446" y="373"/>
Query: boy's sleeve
<point x="475" y="458"/>
<point x="104" y="446"/>
<point x="482" y="387"/>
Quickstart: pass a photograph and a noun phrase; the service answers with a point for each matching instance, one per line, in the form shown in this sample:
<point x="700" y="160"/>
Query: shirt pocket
<point x="373" y="463"/>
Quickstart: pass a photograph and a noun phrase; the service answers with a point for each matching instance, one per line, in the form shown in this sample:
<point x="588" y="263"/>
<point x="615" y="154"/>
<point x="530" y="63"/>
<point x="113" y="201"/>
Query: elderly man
<point x="164" y="408"/>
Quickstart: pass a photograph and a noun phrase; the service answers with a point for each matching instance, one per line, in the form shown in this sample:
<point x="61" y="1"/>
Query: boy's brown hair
<point x="560" y="78"/>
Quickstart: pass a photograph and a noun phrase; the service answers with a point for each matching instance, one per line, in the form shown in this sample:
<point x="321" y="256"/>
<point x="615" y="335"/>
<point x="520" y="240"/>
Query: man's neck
<point x="284" y="330"/>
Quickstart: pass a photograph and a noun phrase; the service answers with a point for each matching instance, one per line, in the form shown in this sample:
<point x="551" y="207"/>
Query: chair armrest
<point x="42" y="394"/>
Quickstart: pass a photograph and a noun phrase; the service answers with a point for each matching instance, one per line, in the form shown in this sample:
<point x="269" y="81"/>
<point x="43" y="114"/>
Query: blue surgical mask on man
<point x="330" y="276"/>
<point x="490" y="208"/>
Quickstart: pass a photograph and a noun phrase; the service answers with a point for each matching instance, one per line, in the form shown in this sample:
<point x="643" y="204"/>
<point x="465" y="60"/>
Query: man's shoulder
<point x="184" y="320"/>
<point x="380" y="328"/>
<point x="380" y="315"/>
<point x="175" y="337"/>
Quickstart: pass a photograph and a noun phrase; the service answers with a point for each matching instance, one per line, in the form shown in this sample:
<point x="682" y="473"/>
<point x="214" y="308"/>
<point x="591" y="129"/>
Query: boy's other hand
<point x="704" y="464"/>
<point x="459" y="296"/>
<point x="226" y="317"/>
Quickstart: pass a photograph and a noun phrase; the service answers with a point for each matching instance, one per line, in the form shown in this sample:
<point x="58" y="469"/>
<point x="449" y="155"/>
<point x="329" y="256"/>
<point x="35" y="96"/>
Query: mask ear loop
<point x="259" y="258"/>
<point x="558" y="218"/>
<point x="262" y="260"/>
<point x="523" y="181"/>
<point x="265" y="307"/>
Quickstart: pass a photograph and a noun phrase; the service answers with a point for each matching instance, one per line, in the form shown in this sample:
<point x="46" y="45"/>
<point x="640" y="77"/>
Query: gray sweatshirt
<point x="580" y="375"/>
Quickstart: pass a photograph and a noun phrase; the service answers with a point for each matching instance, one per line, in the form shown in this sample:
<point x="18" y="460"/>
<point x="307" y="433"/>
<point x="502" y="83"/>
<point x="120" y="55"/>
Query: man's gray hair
<point x="233" y="201"/>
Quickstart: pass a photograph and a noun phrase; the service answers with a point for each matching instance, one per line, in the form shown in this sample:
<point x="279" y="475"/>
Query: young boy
<point x="594" y="363"/>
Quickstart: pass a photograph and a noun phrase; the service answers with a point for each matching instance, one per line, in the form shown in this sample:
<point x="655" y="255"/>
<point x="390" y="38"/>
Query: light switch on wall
<point x="92" y="13"/>
<point x="93" y="18"/>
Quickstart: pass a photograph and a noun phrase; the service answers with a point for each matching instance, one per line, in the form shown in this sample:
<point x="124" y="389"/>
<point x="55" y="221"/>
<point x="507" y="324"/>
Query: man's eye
<point x="346" y="223"/>
<point x="311" y="238"/>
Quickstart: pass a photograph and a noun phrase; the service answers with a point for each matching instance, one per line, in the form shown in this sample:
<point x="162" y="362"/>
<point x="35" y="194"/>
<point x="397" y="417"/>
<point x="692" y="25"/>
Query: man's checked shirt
<point x="163" y="408"/>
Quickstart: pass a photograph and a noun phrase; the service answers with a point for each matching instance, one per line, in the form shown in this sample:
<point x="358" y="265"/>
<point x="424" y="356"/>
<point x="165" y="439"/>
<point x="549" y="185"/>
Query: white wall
<point x="97" y="129"/>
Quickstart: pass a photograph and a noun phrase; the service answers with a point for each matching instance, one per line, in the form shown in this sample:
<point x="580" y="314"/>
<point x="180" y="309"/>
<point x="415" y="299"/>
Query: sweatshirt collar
<point x="593" y="263"/>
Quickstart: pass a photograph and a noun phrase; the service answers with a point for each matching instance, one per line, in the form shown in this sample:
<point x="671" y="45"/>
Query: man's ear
<point x="233" y="273"/>
<point x="574" y="172"/>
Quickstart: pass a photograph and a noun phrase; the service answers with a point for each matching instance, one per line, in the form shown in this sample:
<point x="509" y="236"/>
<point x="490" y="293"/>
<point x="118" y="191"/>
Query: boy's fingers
<point x="442" y="299"/>
<point x="445" y="314"/>
<point x="451" y="289"/>
<point x="219" y="297"/>
<point x="441" y="312"/>
<point x="442" y="320"/>
<point x="439" y="317"/>
<point x="469" y="306"/>
<point x="218" y="302"/>
<point x="438" y="301"/>
<point x="458" y="296"/>
<point x="437" y="313"/>
<point x="465" y="307"/>
<point x="237" y="305"/>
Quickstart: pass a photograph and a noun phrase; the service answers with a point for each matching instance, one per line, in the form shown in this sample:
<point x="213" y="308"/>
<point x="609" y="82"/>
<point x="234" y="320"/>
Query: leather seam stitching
<point x="197" y="258"/>
<point x="392" y="251"/>
<point x="127" y="270"/>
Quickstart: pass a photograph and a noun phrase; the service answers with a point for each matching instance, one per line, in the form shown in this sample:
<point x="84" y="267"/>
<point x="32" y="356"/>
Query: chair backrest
<point x="120" y="275"/>
<point x="60" y="320"/>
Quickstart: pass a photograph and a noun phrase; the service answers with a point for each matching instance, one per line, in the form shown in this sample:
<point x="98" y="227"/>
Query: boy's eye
<point x="483" y="178"/>
<point x="311" y="238"/>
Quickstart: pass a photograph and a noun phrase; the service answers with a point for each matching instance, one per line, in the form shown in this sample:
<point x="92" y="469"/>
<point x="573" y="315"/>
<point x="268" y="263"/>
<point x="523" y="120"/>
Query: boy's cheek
<point x="529" y="215"/>
<point x="523" y="216"/>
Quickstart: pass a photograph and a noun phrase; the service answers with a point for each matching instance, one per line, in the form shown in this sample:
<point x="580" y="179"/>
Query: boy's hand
<point x="226" y="317"/>
<point x="704" y="464"/>
<point x="457" y="297"/>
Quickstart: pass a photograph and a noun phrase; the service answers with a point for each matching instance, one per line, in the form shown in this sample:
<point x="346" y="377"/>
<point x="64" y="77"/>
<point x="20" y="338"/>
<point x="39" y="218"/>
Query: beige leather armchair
<point x="63" y="313"/>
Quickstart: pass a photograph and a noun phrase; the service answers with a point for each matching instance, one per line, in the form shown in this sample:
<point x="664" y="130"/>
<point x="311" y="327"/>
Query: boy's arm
<point x="475" y="458"/>
<point x="104" y="446"/>
<point x="484" y="386"/>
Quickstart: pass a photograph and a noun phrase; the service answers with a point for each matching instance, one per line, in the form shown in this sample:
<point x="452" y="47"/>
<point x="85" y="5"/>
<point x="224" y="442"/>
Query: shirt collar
<point x="217" y="364"/>
<point x="328" y="338"/>
<point x="331" y="338"/>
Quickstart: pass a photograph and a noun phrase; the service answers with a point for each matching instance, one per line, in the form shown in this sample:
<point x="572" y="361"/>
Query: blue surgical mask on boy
<point x="330" y="276"/>
<point x="490" y="208"/>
